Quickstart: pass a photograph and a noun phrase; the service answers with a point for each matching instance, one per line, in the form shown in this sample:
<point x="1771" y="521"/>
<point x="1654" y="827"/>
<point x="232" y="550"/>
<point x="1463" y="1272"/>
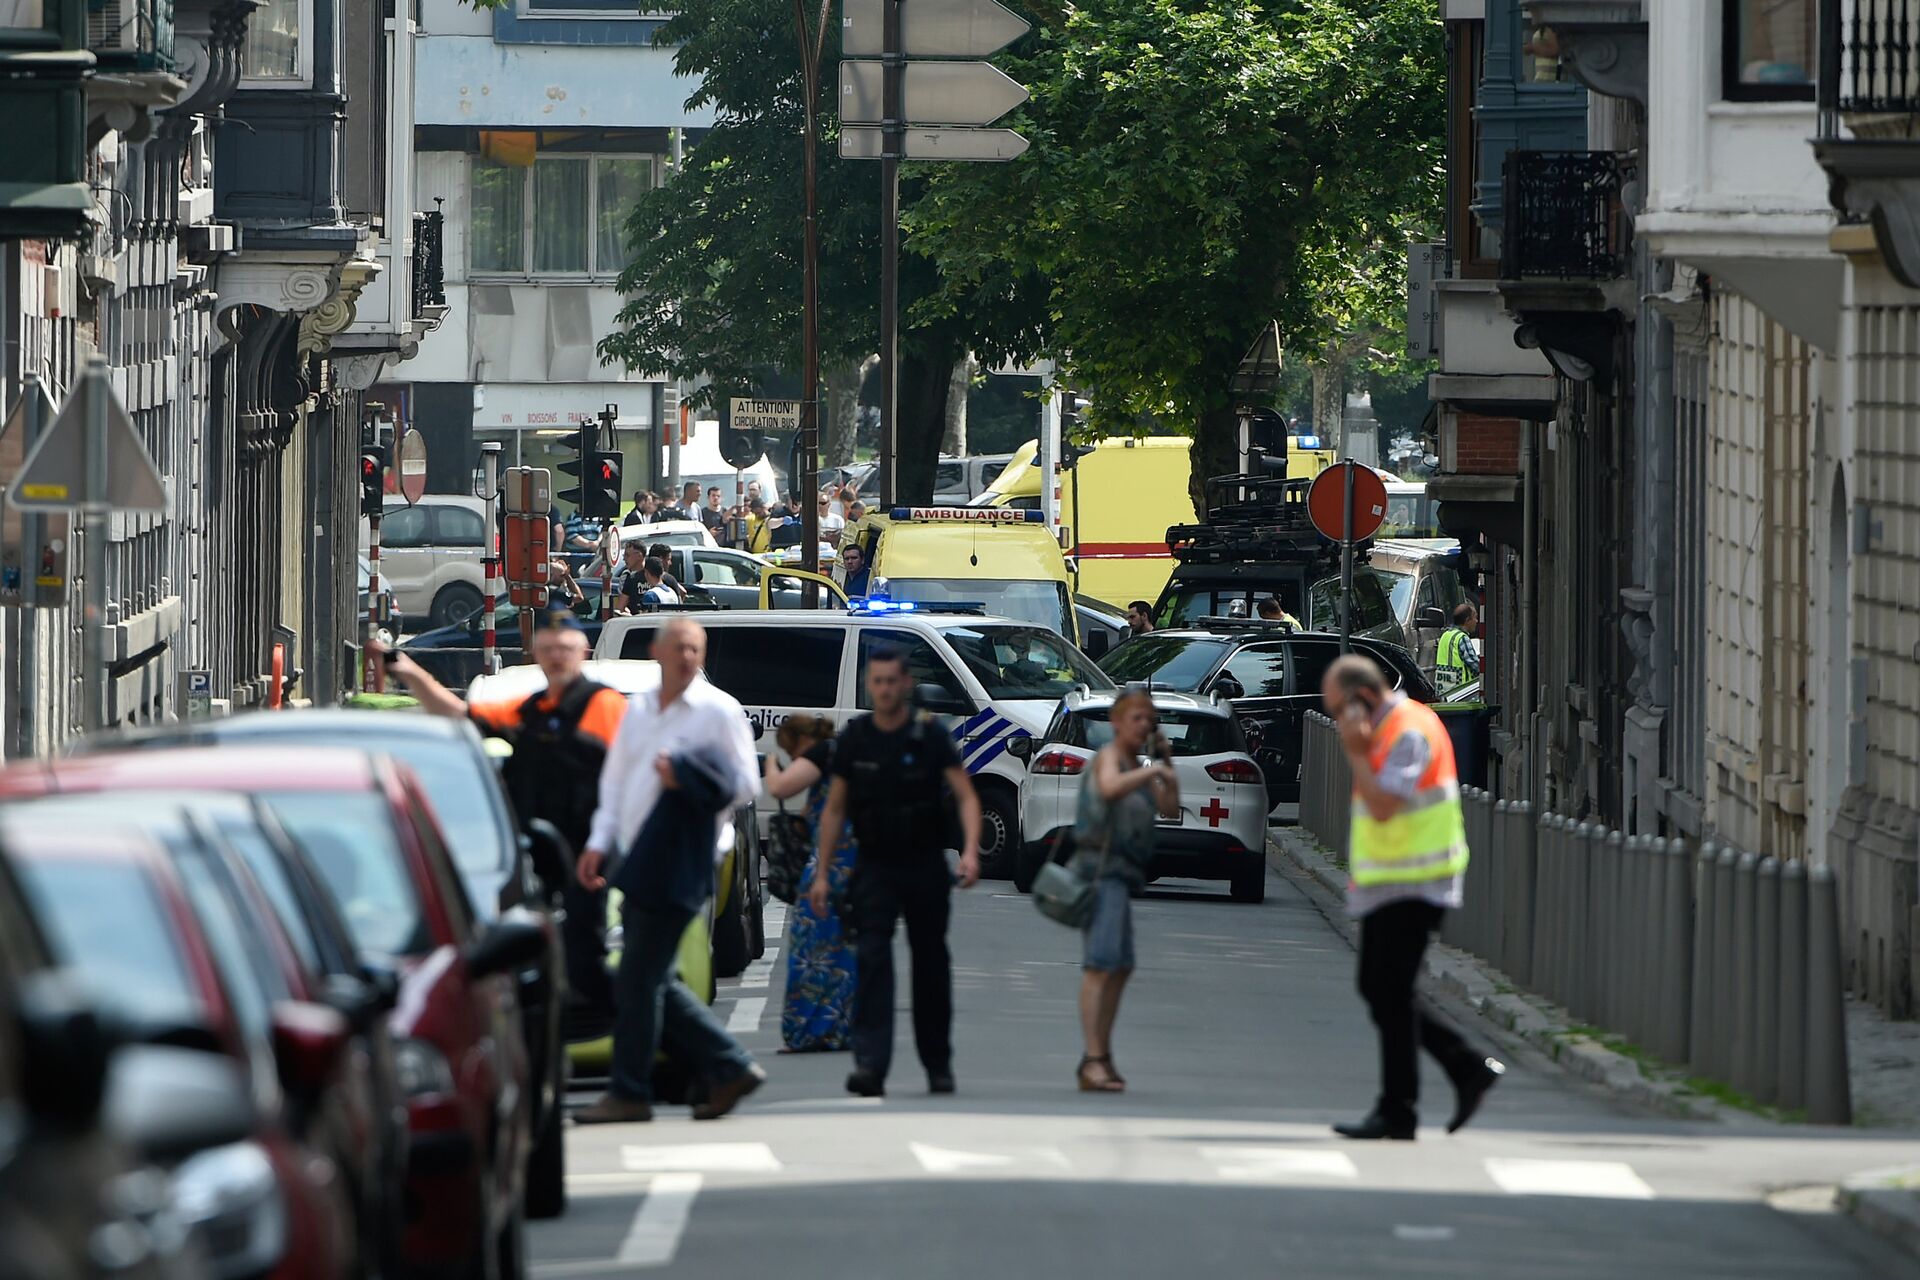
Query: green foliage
<point x="1196" y="170"/>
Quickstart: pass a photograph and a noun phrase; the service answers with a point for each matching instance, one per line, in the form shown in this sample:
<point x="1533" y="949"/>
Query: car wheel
<point x="547" y="1166"/>
<point x="732" y="934"/>
<point x="454" y="604"/>
<point x="1027" y="865"/>
<point x="1249" y="886"/>
<point x="999" y="832"/>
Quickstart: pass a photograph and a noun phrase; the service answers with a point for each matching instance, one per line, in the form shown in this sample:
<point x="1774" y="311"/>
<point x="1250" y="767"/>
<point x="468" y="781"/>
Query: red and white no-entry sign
<point x="1327" y="500"/>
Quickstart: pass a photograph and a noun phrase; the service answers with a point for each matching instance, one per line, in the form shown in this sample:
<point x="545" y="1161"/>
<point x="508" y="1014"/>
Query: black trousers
<point x="1393" y="938"/>
<point x="920" y="891"/>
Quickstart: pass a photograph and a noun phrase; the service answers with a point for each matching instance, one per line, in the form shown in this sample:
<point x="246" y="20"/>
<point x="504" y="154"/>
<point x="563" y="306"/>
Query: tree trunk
<point x="1329" y="404"/>
<point x="1216" y="452"/>
<point x="925" y="380"/>
<point x="953" y="440"/>
<point x="843" y="412"/>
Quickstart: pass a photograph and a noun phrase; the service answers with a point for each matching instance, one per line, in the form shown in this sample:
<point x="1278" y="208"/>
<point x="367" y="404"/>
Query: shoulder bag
<point x="1063" y="895"/>
<point x="789" y="845"/>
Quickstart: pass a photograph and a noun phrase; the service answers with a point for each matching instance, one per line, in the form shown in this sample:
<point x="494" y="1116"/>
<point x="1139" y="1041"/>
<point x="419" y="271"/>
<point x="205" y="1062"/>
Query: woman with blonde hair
<point x="817" y="1015"/>
<point x="1113" y="837"/>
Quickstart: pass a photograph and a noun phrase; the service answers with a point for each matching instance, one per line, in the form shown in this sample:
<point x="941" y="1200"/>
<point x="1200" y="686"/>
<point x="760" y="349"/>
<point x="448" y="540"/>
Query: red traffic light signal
<point x="373" y="476"/>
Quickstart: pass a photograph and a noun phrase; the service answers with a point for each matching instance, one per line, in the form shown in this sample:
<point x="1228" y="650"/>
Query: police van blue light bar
<point x="871" y="604"/>
<point x="967" y="515"/>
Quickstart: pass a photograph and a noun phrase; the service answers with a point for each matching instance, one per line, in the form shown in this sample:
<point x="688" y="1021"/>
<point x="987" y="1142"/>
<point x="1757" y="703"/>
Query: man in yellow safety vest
<point x="1457" y="660"/>
<point x="1407" y="852"/>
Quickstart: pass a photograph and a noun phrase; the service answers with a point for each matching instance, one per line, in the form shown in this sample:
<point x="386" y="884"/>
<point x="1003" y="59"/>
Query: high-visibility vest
<point x="1427" y="838"/>
<point x="1450" y="664"/>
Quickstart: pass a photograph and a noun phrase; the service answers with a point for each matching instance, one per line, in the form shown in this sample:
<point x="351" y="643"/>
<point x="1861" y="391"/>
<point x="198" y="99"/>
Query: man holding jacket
<point x="680" y="763"/>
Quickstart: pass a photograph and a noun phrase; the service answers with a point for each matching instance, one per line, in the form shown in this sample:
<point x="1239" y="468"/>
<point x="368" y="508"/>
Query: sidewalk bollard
<point x="1610" y="931"/>
<point x="1545" y="934"/>
<point x="1643" y="959"/>
<point x="1523" y="839"/>
<point x="1741" y="964"/>
<point x="1638" y="911"/>
<point x="1792" y="1044"/>
<point x="1676" y="949"/>
<point x="1766" y="981"/>
<point x="1828" y="1095"/>
<point x="1504" y="853"/>
<point x="1580" y="943"/>
<point x="1703" y="1024"/>
<point x="1723" y="962"/>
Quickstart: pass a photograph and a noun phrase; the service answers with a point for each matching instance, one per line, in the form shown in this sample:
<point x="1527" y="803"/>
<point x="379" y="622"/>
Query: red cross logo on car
<point x="1213" y="811"/>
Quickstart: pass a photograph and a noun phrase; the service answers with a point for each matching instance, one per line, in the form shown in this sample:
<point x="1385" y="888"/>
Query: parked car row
<point x="327" y="987"/>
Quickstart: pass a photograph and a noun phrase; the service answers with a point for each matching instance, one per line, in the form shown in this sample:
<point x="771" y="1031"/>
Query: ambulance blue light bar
<point x="1306" y="442"/>
<point x="967" y="515"/>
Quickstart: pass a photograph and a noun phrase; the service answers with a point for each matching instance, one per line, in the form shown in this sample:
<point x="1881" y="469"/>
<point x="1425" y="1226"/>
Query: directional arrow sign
<point x="931" y="28"/>
<point x="931" y="92"/>
<point x="921" y="142"/>
<point x="54" y="476"/>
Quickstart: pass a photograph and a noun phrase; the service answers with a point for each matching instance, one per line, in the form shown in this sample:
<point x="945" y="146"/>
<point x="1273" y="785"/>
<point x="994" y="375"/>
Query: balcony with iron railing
<point x="1564" y="218"/>
<point x="131" y="35"/>
<point x="429" y="267"/>
<point x="1869" y="133"/>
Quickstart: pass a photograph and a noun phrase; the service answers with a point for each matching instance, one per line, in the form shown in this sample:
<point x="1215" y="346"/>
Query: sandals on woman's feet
<point x="1110" y="1084"/>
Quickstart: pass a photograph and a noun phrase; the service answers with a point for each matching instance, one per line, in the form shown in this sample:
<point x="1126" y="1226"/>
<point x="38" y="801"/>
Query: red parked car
<point x="364" y="824"/>
<point x="159" y="962"/>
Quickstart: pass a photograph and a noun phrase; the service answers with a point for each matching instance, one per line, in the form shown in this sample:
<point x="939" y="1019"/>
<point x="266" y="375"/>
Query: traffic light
<point x="582" y="447"/>
<point x="373" y="479"/>
<point x="740" y="448"/>
<point x="602" y="500"/>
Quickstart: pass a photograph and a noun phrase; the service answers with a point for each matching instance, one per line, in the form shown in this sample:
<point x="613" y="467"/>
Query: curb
<point x="1887" y="1203"/>
<point x="1531" y="1020"/>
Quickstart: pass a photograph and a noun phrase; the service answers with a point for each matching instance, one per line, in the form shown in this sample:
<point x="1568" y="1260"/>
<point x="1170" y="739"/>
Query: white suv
<point x="1221" y="833"/>
<point x="431" y="556"/>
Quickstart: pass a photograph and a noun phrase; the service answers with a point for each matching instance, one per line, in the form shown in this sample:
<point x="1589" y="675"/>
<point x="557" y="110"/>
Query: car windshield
<point x="1023" y="662"/>
<point x="1189" y="603"/>
<point x="1379" y="598"/>
<point x="1045" y="604"/>
<point x="106" y="920"/>
<point x="1188" y="733"/>
<point x="460" y="788"/>
<point x="349" y="837"/>
<point x="1170" y="662"/>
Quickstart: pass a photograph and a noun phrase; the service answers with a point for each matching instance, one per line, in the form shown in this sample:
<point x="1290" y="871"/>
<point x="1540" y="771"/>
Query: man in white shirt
<point x="661" y="733"/>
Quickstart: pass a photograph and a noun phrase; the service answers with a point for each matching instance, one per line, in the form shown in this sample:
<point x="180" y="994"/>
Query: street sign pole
<point x="1346" y="558"/>
<point x="893" y="130"/>
<point x="94" y="513"/>
<point x="373" y="676"/>
<point x="490" y="493"/>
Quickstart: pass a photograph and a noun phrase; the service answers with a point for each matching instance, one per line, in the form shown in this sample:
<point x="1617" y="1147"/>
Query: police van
<point x="989" y="679"/>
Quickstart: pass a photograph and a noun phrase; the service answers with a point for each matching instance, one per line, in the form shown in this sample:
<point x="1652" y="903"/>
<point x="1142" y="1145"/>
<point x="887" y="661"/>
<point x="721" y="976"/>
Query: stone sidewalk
<point x="1883" y="1056"/>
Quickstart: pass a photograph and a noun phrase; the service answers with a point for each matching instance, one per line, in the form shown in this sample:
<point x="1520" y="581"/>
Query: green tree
<point x="714" y="286"/>
<point x="1197" y="169"/>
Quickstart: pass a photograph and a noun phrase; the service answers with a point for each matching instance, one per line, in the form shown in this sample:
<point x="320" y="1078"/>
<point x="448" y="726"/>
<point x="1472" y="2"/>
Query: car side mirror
<point x="1020" y="746"/>
<point x="1433" y="617"/>
<point x="1098" y="642"/>
<point x="939" y="701"/>
<point x="514" y="941"/>
<point x="309" y="1042"/>
<point x="357" y="1000"/>
<point x="169" y="1103"/>
<point x="64" y="1052"/>
<point x="1229" y="688"/>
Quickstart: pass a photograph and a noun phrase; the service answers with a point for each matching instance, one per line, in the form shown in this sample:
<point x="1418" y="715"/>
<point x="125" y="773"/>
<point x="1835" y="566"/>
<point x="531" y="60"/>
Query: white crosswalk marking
<point x="746" y="1013"/>
<point x="760" y="972"/>
<point x="703" y="1157"/>
<point x="1261" y="1163"/>
<point x="660" y="1221"/>
<point x="1595" y="1179"/>
<point x="947" y="1160"/>
<point x="774" y="915"/>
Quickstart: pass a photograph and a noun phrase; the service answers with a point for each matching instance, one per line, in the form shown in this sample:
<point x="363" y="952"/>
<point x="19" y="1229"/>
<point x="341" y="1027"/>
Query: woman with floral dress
<point x="818" y="1013"/>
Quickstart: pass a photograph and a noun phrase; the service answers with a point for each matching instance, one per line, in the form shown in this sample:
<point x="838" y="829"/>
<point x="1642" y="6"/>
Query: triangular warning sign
<point x="54" y="476"/>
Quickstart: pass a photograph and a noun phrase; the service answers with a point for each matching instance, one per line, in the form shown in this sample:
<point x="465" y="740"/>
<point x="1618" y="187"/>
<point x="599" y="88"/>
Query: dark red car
<point x="160" y="962"/>
<point x="364" y="825"/>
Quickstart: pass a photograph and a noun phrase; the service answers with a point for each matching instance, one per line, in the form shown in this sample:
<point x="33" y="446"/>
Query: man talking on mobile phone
<point x="1407" y="854"/>
<point x="892" y="770"/>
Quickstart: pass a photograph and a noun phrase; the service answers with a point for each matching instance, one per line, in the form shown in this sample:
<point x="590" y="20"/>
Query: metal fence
<point x="1715" y="959"/>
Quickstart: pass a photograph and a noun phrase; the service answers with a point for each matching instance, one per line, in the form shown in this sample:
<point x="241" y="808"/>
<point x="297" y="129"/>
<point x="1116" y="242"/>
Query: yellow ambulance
<point x="1116" y="504"/>
<point x="1003" y="560"/>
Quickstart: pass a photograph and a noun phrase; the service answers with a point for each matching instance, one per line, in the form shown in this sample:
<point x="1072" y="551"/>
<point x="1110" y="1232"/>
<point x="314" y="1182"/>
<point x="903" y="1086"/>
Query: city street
<point x="1241" y="1039"/>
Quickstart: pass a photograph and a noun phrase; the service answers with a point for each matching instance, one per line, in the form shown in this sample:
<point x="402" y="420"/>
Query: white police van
<point x="989" y="679"/>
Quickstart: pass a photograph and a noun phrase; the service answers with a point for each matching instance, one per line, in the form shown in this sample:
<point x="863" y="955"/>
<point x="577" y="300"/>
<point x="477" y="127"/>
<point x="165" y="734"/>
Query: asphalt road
<point x="1241" y="1039"/>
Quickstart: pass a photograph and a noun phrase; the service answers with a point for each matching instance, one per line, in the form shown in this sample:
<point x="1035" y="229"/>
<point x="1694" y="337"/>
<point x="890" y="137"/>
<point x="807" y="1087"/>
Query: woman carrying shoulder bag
<point x="1113" y="834"/>
<point x="817" y="1015"/>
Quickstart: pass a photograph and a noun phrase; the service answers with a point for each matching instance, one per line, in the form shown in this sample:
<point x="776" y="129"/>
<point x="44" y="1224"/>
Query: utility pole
<point x="490" y="493"/>
<point x="807" y="483"/>
<point x="893" y="128"/>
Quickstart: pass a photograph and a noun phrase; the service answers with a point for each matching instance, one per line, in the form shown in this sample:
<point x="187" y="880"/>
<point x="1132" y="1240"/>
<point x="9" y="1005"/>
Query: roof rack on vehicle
<point x="1216" y="623"/>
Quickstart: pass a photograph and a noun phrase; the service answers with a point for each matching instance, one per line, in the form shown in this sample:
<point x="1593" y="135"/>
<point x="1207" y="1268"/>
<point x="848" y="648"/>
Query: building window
<point x="560" y="215"/>
<point x="273" y="48"/>
<point x="1768" y="50"/>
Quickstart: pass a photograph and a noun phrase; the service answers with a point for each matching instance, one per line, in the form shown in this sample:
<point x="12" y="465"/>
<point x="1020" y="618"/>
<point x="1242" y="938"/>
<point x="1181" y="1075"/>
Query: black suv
<point x="1269" y="671"/>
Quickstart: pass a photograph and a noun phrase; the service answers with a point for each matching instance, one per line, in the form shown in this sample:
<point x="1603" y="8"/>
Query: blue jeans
<point x="652" y="1006"/>
<point x="1109" y="943"/>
